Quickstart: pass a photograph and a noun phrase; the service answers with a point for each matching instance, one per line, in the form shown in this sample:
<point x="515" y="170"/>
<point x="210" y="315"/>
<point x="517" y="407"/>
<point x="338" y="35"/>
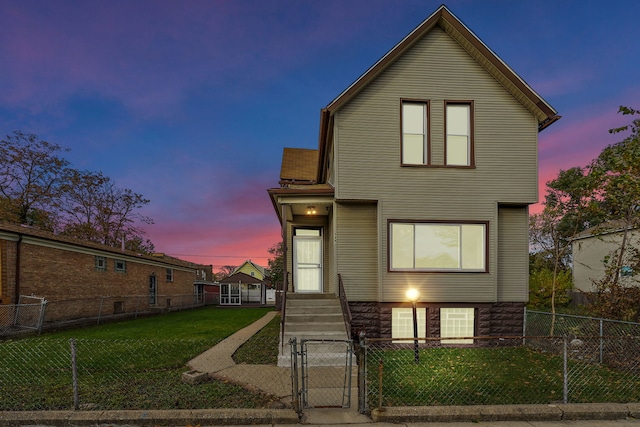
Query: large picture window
<point x="414" y="133"/>
<point x="459" y="144"/>
<point x="430" y="246"/>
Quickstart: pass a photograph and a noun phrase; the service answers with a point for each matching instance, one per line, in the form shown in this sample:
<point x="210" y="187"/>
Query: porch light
<point x="311" y="210"/>
<point x="413" y="295"/>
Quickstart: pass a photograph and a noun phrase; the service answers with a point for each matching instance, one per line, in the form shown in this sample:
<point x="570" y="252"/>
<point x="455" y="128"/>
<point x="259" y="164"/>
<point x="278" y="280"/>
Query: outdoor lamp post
<point x="413" y="295"/>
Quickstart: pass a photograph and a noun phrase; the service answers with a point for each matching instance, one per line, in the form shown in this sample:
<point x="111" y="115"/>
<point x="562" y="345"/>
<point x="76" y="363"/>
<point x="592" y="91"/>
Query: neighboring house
<point x="240" y="288"/>
<point x="424" y="171"/>
<point x="203" y="282"/>
<point x="252" y="269"/>
<point x="592" y="247"/>
<point x="76" y="276"/>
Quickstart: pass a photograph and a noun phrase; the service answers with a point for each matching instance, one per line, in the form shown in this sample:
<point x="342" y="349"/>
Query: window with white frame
<point x="120" y="265"/>
<point x="459" y="148"/>
<point x="414" y="133"/>
<point x="402" y="323"/>
<point x="431" y="246"/>
<point x="457" y="323"/>
<point x="101" y="263"/>
<point x="169" y="274"/>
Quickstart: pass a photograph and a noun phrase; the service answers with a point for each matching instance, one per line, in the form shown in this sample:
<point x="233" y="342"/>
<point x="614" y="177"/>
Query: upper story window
<point x="101" y="263"/>
<point x="120" y="265"/>
<point x="414" y="133"/>
<point x="459" y="138"/>
<point x="169" y="274"/>
<point x="437" y="246"/>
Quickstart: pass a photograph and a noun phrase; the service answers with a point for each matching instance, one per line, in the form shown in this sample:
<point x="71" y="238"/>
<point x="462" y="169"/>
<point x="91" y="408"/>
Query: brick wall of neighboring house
<point x="498" y="319"/>
<point x="65" y="273"/>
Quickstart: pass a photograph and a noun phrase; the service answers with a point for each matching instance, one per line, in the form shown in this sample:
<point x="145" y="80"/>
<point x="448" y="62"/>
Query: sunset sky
<point x="190" y="103"/>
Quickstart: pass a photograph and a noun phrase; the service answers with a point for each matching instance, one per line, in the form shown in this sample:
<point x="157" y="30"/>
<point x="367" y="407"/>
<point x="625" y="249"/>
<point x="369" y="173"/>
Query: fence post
<point x="601" y="340"/>
<point x="380" y="385"/>
<point x="295" y="388"/>
<point x="100" y="309"/>
<point x="524" y="327"/>
<point x="43" y="308"/>
<point x="74" y="374"/>
<point x="362" y="374"/>
<point x="565" y="372"/>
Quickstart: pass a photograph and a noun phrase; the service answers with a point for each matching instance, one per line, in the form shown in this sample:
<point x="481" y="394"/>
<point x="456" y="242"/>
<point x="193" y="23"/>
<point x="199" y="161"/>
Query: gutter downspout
<point x="16" y="289"/>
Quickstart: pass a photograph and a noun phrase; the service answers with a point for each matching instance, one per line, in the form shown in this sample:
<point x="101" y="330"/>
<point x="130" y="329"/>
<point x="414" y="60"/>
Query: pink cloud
<point x="576" y="140"/>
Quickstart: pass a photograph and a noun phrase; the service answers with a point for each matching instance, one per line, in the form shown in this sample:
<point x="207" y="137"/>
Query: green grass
<point x="205" y="323"/>
<point x="491" y="376"/>
<point x="135" y="364"/>
<point x="262" y="348"/>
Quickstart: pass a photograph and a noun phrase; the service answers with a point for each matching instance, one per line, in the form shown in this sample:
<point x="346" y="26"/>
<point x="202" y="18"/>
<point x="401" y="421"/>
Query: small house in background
<point x="252" y="269"/>
<point x="593" y="247"/>
<point x="248" y="284"/>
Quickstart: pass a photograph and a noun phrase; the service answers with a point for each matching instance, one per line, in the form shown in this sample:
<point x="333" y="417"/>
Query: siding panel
<point x="513" y="259"/>
<point x="357" y="255"/>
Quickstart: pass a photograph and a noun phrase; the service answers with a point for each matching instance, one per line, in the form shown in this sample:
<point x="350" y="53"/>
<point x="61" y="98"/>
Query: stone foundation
<point x="496" y="319"/>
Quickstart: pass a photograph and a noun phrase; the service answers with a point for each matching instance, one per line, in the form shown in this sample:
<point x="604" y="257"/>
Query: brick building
<point x="82" y="279"/>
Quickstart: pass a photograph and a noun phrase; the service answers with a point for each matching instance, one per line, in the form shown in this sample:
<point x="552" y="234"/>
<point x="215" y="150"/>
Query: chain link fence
<point x="560" y="359"/>
<point x="27" y="315"/>
<point x="497" y="371"/>
<point x="43" y="373"/>
<point x="614" y="338"/>
<point x="16" y="319"/>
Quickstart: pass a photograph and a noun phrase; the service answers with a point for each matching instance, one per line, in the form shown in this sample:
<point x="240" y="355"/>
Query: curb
<point x="478" y="413"/>
<point x="151" y="418"/>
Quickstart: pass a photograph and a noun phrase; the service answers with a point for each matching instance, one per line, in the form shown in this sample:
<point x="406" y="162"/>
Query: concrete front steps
<point x="315" y="317"/>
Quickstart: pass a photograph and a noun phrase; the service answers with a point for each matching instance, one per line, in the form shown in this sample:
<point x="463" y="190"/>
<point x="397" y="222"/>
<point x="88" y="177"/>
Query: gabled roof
<point x="241" y="278"/>
<point x="299" y="164"/>
<point x="609" y="227"/>
<point x="258" y="268"/>
<point x="446" y="20"/>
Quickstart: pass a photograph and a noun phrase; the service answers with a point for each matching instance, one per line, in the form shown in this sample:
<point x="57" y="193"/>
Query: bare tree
<point x="31" y="173"/>
<point x="94" y="208"/>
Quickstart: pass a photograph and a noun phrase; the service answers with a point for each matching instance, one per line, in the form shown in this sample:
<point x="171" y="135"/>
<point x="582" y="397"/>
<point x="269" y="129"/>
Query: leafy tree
<point x="546" y="287"/>
<point x="617" y="172"/>
<point x="605" y="194"/>
<point x="568" y="210"/>
<point x="31" y="173"/>
<point x="276" y="263"/>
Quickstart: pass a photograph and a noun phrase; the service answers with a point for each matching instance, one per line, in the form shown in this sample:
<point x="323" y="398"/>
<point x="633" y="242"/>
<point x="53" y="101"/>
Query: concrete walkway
<point x="219" y="364"/>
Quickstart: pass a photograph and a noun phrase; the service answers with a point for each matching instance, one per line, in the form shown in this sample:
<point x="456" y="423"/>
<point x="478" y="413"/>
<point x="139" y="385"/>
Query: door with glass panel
<point x="307" y="260"/>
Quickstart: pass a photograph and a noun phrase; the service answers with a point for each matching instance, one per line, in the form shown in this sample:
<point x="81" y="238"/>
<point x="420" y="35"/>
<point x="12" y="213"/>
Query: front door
<point x="307" y="260"/>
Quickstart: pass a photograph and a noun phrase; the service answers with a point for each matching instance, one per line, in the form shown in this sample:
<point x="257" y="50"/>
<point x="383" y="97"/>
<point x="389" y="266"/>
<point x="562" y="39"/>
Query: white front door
<point x="307" y="260"/>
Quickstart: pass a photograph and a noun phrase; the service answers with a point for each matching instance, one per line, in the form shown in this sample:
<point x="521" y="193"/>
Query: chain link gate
<point x="324" y="377"/>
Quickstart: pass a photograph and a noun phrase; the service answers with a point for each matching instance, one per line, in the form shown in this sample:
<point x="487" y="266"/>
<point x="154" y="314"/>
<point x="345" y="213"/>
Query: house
<point x="592" y="247"/>
<point x="241" y="288"/>
<point x="422" y="178"/>
<point x="252" y="269"/>
<point x="204" y="287"/>
<point x="81" y="279"/>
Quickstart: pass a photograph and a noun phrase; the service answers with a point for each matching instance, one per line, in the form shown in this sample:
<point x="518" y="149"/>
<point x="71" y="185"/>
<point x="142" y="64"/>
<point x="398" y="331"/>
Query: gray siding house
<point x="424" y="171"/>
<point x="591" y="248"/>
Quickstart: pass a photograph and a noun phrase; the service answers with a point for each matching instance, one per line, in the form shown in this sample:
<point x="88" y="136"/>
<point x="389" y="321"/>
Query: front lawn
<point x="134" y="364"/>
